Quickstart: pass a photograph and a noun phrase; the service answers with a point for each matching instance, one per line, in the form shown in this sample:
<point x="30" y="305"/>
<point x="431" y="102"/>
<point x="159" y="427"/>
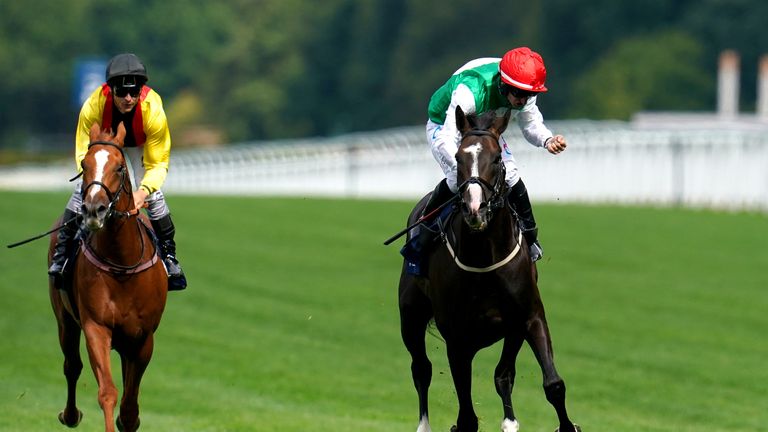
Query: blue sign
<point x="89" y="74"/>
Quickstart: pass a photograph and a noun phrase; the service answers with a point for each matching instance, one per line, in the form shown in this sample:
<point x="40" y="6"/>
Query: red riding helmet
<point x="524" y="69"/>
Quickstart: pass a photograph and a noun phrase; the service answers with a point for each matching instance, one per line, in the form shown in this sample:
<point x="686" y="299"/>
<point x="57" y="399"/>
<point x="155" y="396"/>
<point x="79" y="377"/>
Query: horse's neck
<point x="499" y="238"/>
<point x="122" y="238"/>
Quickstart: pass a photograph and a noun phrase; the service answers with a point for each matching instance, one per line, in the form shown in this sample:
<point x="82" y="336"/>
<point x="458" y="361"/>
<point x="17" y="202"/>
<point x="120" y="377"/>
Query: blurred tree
<point x="38" y="46"/>
<point x="289" y="68"/>
<point x="731" y="24"/>
<point x="436" y="40"/>
<point x="661" y="71"/>
<point x="251" y="74"/>
<point x="362" y="71"/>
<point x="577" y="33"/>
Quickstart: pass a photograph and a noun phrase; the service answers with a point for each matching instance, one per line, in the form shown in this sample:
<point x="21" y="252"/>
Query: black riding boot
<point x="521" y="204"/>
<point x="64" y="240"/>
<point x="165" y="231"/>
<point x="440" y="195"/>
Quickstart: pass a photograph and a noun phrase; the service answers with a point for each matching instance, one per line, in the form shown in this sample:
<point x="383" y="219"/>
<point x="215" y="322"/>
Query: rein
<point x="39" y="236"/>
<point x="113" y="197"/>
<point x="111" y="267"/>
<point x="109" y="195"/>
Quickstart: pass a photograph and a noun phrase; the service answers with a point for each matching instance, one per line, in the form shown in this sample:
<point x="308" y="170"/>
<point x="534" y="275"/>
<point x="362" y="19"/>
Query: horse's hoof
<point x="74" y="424"/>
<point x="454" y="428"/>
<point x="576" y="427"/>
<point x="121" y="428"/>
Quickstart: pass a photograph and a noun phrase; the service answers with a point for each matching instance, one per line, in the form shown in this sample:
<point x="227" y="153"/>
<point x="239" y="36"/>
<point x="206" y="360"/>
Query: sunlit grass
<point x="291" y="322"/>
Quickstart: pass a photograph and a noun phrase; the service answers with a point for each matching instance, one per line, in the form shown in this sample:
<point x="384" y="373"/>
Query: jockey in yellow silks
<point x="126" y="98"/>
<point x="148" y="129"/>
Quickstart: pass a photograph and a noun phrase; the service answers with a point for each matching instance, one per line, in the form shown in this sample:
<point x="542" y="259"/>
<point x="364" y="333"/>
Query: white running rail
<point x="605" y="162"/>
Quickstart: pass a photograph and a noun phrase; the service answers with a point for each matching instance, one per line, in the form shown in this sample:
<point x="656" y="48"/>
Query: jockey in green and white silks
<point x="512" y="82"/>
<point x="475" y="87"/>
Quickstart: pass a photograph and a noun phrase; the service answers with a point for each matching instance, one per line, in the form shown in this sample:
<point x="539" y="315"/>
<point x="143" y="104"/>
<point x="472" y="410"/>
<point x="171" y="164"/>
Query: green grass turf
<point x="658" y="319"/>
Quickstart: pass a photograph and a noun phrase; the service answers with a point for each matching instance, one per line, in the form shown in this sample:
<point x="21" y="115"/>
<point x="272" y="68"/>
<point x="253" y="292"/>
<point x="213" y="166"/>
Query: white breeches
<point x="444" y="145"/>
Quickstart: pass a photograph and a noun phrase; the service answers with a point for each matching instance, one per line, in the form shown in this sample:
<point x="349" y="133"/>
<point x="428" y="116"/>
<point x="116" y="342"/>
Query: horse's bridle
<point x="112" y="196"/>
<point x="496" y="199"/>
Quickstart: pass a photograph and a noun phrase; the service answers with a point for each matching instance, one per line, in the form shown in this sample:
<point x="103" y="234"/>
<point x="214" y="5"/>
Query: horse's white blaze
<point x="424" y="425"/>
<point x="510" y="426"/>
<point x="475" y="191"/>
<point x="474" y="150"/>
<point x="475" y="197"/>
<point x="102" y="157"/>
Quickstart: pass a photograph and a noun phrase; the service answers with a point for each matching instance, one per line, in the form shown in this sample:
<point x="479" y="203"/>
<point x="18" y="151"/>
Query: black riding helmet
<point x="126" y="70"/>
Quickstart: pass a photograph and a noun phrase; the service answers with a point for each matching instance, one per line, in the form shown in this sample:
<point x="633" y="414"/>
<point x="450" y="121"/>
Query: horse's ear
<point x="120" y="136"/>
<point x="501" y="121"/>
<point x="462" y="124"/>
<point x="95" y="132"/>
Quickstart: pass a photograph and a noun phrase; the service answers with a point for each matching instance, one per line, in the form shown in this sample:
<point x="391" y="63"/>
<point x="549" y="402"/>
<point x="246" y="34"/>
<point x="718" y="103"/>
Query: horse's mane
<point x="105" y="135"/>
<point x="482" y="121"/>
<point x="98" y="134"/>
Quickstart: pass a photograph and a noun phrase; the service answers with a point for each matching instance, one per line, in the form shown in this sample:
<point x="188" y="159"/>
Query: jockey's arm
<point x="535" y="132"/>
<point x="157" y="148"/>
<point x="446" y="143"/>
<point x="531" y="124"/>
<point x="90" y="113"/>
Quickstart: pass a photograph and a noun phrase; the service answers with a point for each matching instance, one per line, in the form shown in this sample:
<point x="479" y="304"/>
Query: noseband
<point x="112" y="196"/>
<point x="496" y="199"/>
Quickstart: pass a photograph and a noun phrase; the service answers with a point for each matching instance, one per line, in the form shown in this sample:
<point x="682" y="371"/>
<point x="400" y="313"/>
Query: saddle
<point x="416" y="250"/>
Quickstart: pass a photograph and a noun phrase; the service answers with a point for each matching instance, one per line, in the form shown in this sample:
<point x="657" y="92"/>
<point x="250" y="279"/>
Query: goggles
<point x="519" y="93"/>
<point x="123" y="91"/>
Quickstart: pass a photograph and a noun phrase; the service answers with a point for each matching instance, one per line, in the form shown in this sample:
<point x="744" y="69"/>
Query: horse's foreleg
<point x="504" y="377"/>
<point x="415" y="313"/>
<point x="69" y="339"/>
<point x="99" y="341"/>
<point x="460" y="361"/>
<point x="554" y="387"/>
<point x="134" y="365"/>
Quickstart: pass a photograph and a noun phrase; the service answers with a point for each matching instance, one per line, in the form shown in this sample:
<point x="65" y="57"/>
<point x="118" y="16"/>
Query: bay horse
<point x="480" y="287"/>
<point x="118" y="286"/>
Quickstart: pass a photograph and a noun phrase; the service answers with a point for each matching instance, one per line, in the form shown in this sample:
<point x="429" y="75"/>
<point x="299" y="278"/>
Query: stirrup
<point x="177" y="281"/>
<point x="535" y="251"/>
<point x="172" y="266"/>
<point x="57" y="268"/>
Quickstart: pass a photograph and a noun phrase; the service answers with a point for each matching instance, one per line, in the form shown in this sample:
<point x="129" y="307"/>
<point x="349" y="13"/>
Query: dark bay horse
<point x="481" y="286"/>
<point x="117" y="291"/>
